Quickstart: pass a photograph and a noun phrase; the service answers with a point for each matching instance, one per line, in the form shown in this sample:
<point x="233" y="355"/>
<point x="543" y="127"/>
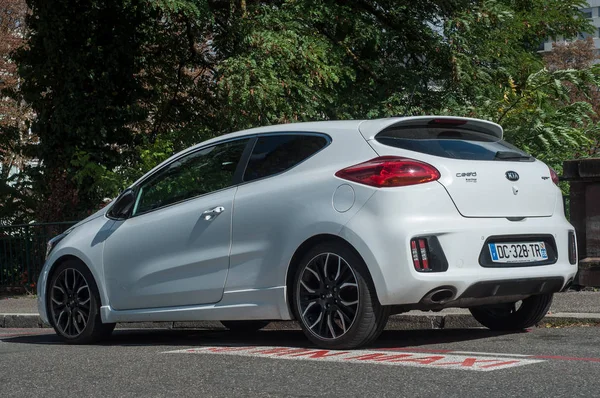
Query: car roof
<point x="368" y="128"/>
<point x="327" y="127"/>
<point x="334" y="128"/>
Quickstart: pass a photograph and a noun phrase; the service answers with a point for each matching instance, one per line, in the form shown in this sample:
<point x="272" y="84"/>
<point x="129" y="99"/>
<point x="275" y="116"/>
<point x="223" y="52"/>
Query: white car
<point x="336" y="224"/>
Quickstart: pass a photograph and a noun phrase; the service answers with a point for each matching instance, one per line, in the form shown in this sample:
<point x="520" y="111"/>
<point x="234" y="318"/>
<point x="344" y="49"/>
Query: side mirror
<point x="122" y="207"/>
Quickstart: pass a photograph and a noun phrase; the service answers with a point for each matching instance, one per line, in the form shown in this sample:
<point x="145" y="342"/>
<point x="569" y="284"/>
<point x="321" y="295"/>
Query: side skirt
<point x="251" y="304"/>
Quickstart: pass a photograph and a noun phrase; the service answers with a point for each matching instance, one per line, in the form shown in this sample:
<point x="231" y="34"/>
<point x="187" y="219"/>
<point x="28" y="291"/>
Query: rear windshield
<point x="451" y="142"/>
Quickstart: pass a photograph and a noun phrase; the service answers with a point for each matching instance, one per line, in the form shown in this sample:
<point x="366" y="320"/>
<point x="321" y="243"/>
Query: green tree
<point x="498" y="75"/>
<point x="104" y="79"/>
<point x="117" y="85"/>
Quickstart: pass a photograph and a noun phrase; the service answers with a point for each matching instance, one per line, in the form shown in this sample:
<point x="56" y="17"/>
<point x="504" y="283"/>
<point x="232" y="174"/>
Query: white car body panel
<point x="245" y="275"/>
<point x="535" y="196"/>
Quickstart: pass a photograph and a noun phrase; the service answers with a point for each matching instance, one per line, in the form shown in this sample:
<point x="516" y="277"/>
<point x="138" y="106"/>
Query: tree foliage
<point x="117" y="85"/>
<point x="15" y="115"/>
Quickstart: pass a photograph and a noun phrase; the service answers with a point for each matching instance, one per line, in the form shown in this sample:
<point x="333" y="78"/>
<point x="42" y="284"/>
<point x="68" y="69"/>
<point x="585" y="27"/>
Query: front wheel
<point x="74" y="305"/>
<point x="335" y="299"/>
<point x="511" y="316"/>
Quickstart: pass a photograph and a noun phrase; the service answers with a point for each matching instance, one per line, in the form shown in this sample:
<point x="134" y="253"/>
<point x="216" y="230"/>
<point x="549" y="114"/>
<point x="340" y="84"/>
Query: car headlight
<point x="54" y="241"/>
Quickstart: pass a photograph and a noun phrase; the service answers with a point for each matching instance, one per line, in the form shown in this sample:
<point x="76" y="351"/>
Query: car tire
<point x="334" y="298"/>
<point x="507" y="317"/>
<point x="73" y="305"/>
<point x="244" y="326"/>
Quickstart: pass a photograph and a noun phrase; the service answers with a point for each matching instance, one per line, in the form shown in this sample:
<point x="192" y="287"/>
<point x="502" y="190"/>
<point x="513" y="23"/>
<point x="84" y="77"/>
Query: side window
<point x="198" y="173"/>
<point x="274" y="154"/>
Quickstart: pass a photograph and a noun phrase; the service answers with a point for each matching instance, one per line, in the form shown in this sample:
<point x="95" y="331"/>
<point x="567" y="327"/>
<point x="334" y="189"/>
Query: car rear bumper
<point x="383" y="229"/>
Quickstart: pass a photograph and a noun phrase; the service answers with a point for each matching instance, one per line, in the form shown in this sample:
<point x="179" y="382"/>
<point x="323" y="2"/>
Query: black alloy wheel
<point x="74" y="305"/>
<point x="335" y="299"/>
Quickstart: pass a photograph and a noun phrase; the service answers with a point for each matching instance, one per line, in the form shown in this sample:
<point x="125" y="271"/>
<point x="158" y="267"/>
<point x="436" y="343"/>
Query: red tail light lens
<point x="420" y="254"/>
<point x="553" y="175"/>
<point x="423" y="250"/>
<point x="390" y="171"/>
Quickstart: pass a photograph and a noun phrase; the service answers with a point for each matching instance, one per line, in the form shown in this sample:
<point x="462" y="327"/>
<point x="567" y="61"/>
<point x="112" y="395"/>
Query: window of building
<point x="274" y="154"/>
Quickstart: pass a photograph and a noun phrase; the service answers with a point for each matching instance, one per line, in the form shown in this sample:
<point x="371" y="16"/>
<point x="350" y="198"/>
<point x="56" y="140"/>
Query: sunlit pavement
<point x="459" y="362"/>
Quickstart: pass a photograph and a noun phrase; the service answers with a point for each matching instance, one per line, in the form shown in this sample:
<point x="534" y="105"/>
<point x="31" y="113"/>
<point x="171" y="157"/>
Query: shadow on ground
<point x="287" y="338"/>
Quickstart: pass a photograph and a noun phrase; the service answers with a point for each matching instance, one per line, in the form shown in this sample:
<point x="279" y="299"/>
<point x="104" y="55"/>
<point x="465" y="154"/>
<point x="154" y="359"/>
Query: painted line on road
<point x="413" y="359"/>
<point x="440" y="351"/>
<point x="494" y="354"/>
<point x="561" y="358"/>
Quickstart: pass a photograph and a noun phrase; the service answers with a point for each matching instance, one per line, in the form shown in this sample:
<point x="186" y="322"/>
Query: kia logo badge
<point x="512" y="175"/>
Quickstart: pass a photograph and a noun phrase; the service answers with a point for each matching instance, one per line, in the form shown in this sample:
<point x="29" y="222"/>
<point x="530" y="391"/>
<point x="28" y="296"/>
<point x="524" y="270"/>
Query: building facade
<point x="592" y="12"/>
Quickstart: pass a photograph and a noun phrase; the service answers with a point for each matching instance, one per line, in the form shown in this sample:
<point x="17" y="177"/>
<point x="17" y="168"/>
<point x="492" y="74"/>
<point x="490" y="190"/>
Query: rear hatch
<point x="484" y="175"/>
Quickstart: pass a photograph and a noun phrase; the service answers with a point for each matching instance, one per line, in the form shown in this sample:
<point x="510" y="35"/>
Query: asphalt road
<point x="420" y="363"/>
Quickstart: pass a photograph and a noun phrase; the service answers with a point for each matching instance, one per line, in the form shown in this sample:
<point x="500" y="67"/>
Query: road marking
<point x="561" y="358"/>
<point x="416" y="359"/>
<point x="494" y="354"/>
<point x="440" y="351"/>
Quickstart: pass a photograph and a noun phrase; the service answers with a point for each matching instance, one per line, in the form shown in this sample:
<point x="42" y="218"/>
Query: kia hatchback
<point x="336" y="224"/>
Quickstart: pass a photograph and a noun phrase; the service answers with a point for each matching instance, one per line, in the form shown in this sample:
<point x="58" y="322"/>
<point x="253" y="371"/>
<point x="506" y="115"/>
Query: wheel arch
<point x="63" y="259"/>
<point x="302" y="250"/>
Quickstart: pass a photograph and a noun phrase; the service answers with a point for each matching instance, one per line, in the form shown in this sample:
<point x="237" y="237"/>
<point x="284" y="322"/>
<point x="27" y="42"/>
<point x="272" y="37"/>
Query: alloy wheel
<point x="328" y="296"/>
<point x="70" y="298"/>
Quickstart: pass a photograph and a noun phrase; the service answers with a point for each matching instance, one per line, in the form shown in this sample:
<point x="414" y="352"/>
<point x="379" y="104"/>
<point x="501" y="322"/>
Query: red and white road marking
<point x="473" y="361"/>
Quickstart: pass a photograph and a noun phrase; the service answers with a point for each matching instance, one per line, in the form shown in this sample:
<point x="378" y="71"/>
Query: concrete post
<point x="584" y="178"/>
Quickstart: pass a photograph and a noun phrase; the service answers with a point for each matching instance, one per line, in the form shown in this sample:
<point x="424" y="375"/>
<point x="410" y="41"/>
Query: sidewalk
<point x="568" y="309"/>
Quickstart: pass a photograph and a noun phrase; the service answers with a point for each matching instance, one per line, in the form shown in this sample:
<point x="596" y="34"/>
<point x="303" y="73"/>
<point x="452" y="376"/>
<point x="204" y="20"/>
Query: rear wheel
<point x="335" y="300"/>
<point x="74" y="305"/>
<point x="513" y="316"/>
<point x="244" y="326"/>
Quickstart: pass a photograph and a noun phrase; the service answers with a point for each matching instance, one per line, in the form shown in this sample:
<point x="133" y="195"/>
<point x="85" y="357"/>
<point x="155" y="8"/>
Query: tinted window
<point x="276" y="153"/>
<point x="196" y="174"/>
<point x="452" y="142"/>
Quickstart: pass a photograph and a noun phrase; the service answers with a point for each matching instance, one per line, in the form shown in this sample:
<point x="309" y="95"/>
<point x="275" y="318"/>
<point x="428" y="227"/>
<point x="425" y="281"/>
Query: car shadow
<point x="281" y="338"/>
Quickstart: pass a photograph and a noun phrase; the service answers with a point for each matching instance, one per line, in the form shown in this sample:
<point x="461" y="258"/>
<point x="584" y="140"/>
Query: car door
<point x="270" y="206"/>
<point x="174" y="248"/>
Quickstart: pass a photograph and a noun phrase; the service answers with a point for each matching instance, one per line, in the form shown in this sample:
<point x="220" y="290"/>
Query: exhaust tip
<point x="442" y="295"/>
<point x="439" y="296"/>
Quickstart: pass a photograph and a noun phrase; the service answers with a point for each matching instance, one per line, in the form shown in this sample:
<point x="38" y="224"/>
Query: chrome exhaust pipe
<point x="439" y="296"/>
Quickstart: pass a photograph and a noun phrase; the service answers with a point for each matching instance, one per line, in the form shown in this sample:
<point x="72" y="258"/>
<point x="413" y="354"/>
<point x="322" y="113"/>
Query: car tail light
<point x="572" y="248"/>
<point x="553" y="175"/>
<point x="427" y="254"/>
<point x="390" y="171"/>
<point x="423" y="253"/>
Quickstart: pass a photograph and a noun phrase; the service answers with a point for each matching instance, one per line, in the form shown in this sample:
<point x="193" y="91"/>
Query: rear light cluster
<point x="390" y="171"/>
<point x="553" y="175"/>
<point x="427" y="255"/>
<point x="572" y="248"/>
<point x="418" y="248"/>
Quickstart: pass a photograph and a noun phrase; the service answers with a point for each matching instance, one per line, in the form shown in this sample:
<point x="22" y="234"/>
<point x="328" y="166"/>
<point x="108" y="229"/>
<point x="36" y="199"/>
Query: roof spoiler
<point x="370" y="128"/>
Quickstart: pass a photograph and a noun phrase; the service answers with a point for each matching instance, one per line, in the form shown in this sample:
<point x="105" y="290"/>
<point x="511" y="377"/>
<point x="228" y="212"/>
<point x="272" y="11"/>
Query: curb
<point x="396" y="322"/>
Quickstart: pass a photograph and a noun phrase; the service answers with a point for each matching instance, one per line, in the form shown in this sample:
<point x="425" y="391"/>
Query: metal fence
<point x="23" y="251"/>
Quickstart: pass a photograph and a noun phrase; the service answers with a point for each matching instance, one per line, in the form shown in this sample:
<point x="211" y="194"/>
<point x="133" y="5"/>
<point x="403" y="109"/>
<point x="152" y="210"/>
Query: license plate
<point x="518" y="252"/>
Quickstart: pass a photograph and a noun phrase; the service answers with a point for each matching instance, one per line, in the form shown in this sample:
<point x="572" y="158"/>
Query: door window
<point x="274" y="154"/>
<point x="198" y="173"/>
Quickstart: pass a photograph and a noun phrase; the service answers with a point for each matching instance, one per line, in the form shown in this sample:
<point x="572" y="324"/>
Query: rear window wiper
<point x="506" y="155"/>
